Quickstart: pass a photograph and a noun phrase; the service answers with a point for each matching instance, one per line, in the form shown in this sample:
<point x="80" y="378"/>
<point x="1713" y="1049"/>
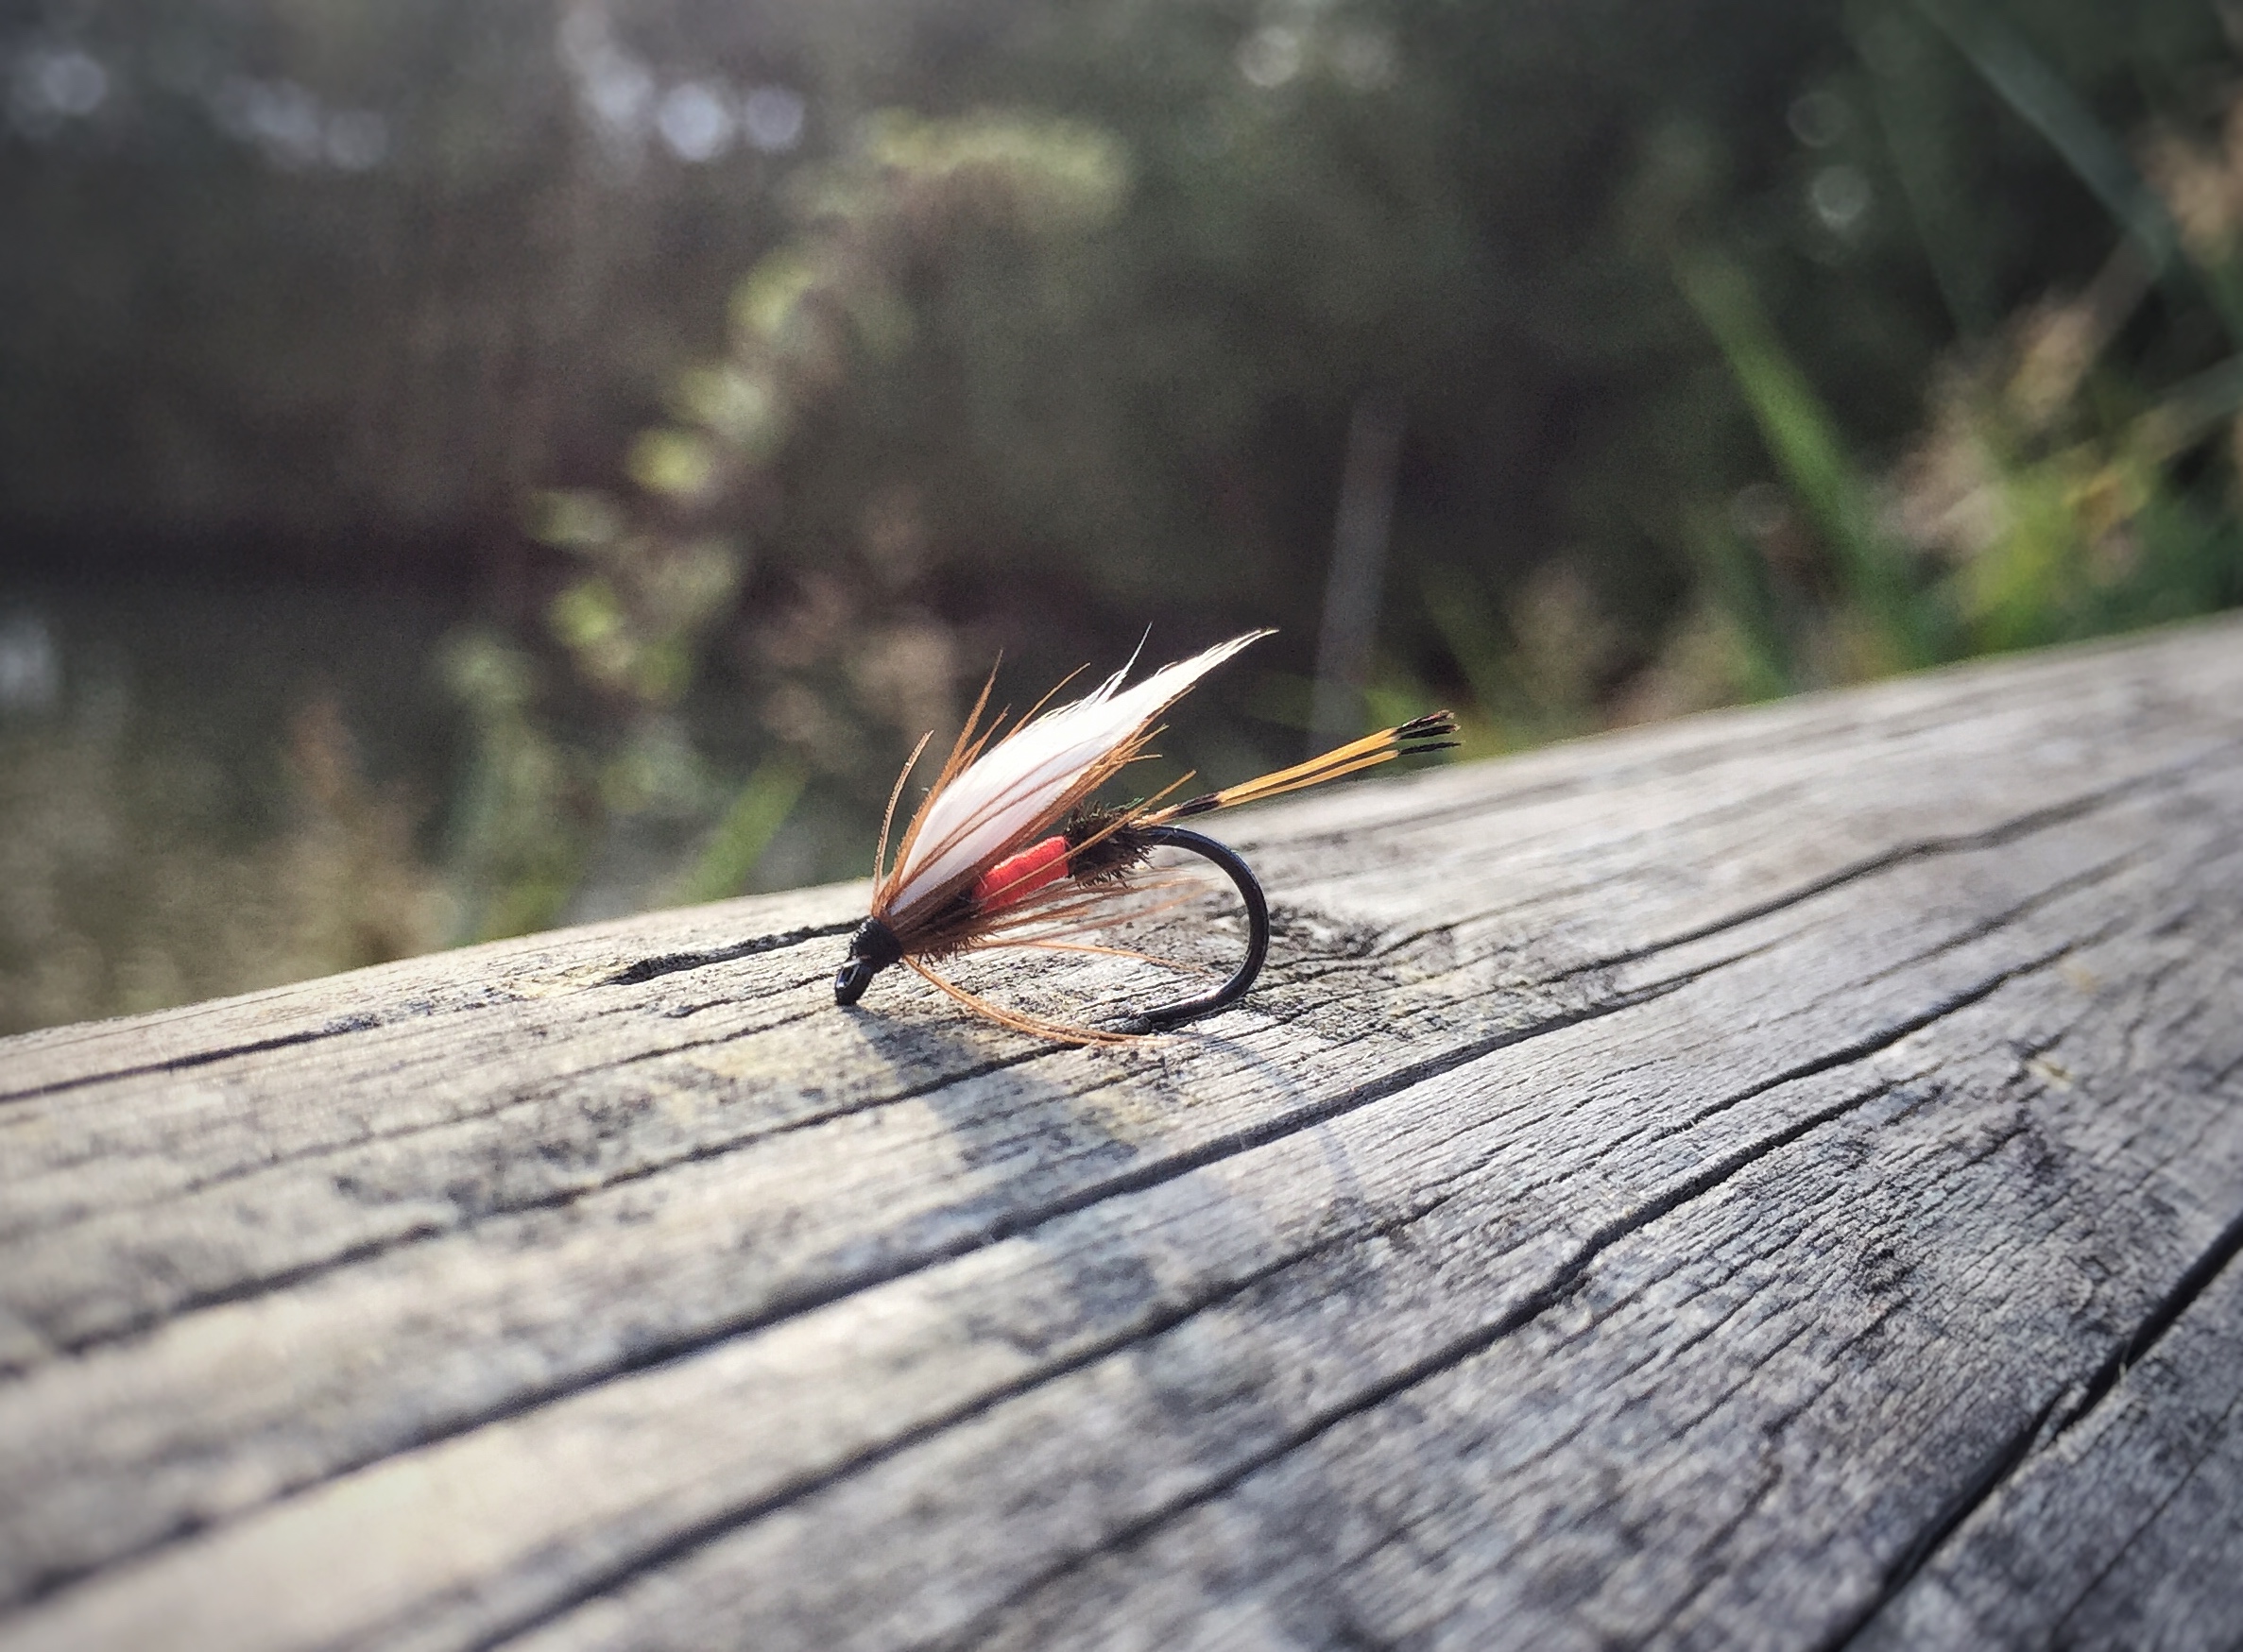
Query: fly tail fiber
<point x="1407" y="739"/>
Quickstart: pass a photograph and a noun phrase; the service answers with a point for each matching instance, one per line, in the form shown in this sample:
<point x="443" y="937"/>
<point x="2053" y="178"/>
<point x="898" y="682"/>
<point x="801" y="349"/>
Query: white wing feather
<point x="1025" y="775"/>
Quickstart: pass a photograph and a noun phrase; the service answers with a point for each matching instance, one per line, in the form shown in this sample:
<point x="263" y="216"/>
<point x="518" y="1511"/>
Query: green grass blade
<point x="1804" y="439"/>
<point x="762" y="807"/>
<point x="2023" y="80"/>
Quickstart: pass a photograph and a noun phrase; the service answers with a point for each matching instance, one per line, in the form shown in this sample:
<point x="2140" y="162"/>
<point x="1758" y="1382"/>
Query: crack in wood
<point x="1998" y="836"/>
<point x="2010" y="916"/>
<point x="653" y="968"/>
<point x="1875" y="1042"/>
<point x="683" y="1543"/>
<point x="2194" y="1280"/>
<point x="545" y="1089"/>
<point x="2045" y="1426"/>
<point x="645" y="970"/>
<point x="181" y="1064"/>
<point x="559" y="1199"/>
<point x="1993" y="1471"/>
<point x="2155" y="1516"/>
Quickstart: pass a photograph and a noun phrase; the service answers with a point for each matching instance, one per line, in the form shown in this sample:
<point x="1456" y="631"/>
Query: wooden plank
<point x="1772" y="1178"/>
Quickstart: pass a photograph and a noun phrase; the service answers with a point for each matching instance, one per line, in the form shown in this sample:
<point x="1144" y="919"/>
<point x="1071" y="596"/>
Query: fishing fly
<point x="1009" y="847"/>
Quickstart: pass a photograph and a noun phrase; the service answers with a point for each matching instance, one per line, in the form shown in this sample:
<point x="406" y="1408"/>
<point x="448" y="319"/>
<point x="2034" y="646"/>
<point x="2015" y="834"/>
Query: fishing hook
<point x="1163" y="1017"/>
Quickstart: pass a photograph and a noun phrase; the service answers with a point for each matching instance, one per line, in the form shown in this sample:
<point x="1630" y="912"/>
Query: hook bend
<point x="1163" y="1017"/>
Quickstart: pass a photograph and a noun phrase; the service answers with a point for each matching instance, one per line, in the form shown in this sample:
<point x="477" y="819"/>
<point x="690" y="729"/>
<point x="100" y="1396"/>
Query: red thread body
<point x="1011" y="881"/>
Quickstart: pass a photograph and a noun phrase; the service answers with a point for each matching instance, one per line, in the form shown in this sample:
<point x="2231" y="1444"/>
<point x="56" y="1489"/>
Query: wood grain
<point x="1770" y="1180"/>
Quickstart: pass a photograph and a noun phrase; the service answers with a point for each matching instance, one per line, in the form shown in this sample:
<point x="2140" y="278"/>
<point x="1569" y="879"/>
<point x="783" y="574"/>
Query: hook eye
<point x="851" y="978"/>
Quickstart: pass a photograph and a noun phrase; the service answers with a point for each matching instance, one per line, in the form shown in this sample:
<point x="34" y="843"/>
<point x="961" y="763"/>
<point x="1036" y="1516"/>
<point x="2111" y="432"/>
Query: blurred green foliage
<point x="2051" y="492"/>
<point x="750" y="376"/>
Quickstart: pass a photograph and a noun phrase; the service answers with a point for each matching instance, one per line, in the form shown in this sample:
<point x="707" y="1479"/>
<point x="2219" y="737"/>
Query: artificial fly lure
<point x="1008" y="848"/>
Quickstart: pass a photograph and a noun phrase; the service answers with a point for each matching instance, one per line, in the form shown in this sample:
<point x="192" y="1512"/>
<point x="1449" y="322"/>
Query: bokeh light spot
<point x="772" y="116"/>
<point x="1270" y="57"/>
<point x="52" y="86"/>
<point x="695" y="120"/>
<point x="1839" y="196"/>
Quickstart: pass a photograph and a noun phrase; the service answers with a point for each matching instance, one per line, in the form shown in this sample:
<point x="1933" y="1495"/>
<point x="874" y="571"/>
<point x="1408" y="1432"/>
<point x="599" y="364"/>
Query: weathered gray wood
<point x="1770" y="1180"/>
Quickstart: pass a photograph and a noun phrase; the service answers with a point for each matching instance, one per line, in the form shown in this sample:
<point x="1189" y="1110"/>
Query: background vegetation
<point x="467" y="465"/>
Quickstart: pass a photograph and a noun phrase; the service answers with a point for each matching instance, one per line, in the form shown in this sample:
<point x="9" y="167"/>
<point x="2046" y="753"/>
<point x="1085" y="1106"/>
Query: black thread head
<point x="871" y="949"/>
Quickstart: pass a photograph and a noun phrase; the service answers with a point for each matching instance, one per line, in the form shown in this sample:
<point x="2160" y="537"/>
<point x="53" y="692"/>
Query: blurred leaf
<point x="738" y="405"/>
<point x="487" y="674"/>
<point x="661" y="671"/>
<point x="2190" y="411"/>
<point x="1059" y="176"/>
<point x="586" y="615"/>
<point x="575" y="519"/>
<point x="756" y="813"/>
<point x="766" y="301"/>
<point x="590" y="621"/>
<point x="675" y="462"/>
<point x="694" y="585"/>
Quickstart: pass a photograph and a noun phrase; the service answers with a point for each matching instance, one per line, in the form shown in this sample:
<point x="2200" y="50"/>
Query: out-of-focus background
<point x="473" y="465"/>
